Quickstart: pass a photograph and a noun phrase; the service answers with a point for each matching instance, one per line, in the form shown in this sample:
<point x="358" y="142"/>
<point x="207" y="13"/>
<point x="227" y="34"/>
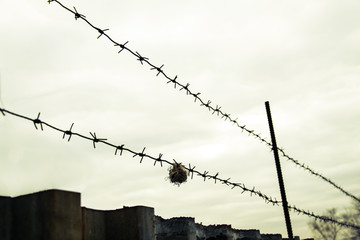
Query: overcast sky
<point x="302" y="56"/>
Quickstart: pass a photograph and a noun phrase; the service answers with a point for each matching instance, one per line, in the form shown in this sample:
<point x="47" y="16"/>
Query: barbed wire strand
<point x="191" y="169"/>
<point x="121" y="148"/>
<point x="207" y="104"/>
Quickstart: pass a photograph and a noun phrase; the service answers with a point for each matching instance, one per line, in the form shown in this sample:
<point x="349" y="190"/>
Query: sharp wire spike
<point x="68" y="132"/>
<point x="121" y="148"/>
<point x="38" y="121"/>
<point x="141" y="58"/>
<point x="122" y="46"/>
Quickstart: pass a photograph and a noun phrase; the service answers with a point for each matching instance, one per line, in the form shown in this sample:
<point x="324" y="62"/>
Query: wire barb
<point x="122" y="46"/>
<point x="217" y="110"/>
<point x="101" y="31"/>
<point x="158" y="159"/>
<point x="141" y="58"/>
<point x="207" y="104"/>
<point x="78" y="15"/>
<point x="173" y="81"/>
<point x="191" y="170"/>
<point x="38" y="121"/>
<point x="121" y="148"/>
<point x="215" y="177"/>
<point x="95" y="139"/>
<point x="68" y="132"/>
<point x="196" y="96"/>
<point x="158" y="69"/>
<point x="142" y="155"/>
<point x="186" y="87"/>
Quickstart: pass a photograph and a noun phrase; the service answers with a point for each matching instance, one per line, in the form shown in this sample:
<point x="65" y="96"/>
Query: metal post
<point x="279" y="173"/>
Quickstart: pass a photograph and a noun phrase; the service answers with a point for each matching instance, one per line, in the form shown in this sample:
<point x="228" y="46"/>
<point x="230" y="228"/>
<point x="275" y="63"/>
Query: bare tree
<point x="352" y="216"/>
<point x="330" y="231"/>
<point x="326" y="230"/>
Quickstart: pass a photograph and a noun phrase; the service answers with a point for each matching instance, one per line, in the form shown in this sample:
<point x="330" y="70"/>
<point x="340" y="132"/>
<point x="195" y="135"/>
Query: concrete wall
<point x="127" y="223"/>
<point x="50" y="215"/>
<point x="5" y="218"/>
<point x="94" y="224"/>
<point x="131" y="222"/>
<point x="57" y="215"/>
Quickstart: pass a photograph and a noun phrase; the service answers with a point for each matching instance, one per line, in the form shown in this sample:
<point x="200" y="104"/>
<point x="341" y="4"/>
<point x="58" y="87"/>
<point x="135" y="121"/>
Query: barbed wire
<point x="191" y="169"/>
<point x="39" y="124"/>
<point x="323" y="218"/>
<point x="207" y="104"/>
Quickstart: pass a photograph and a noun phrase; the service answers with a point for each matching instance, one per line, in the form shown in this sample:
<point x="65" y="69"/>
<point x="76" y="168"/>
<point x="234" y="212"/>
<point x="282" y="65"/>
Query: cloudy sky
<point x="302" y="56"/>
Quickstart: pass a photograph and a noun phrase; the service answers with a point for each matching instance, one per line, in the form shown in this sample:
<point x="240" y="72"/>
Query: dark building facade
<point x="58" y="215"/>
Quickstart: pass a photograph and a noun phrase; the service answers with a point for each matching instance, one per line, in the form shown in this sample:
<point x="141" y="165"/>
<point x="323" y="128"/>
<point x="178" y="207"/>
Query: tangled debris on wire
<point x="177" y="174"/>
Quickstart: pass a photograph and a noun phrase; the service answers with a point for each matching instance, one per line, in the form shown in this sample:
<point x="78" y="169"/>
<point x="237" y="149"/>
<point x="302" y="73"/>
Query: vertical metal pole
<point x="279" y="173"/>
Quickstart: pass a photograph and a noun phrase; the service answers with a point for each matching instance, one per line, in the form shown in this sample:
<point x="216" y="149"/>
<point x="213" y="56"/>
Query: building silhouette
<point x="58" y="215"/>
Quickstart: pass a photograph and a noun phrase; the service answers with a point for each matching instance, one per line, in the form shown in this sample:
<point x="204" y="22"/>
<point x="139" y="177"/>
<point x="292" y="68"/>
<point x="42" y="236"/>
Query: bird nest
<point x="177" y="174"/>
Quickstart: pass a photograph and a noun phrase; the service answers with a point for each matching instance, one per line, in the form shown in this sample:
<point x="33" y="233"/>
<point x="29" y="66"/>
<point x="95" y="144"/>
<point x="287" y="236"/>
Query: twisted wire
<point x="39" y="124"/>
<point x="207" y="104"/>
<point x="323" y="218"/>
<point x="191" y="169"/>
